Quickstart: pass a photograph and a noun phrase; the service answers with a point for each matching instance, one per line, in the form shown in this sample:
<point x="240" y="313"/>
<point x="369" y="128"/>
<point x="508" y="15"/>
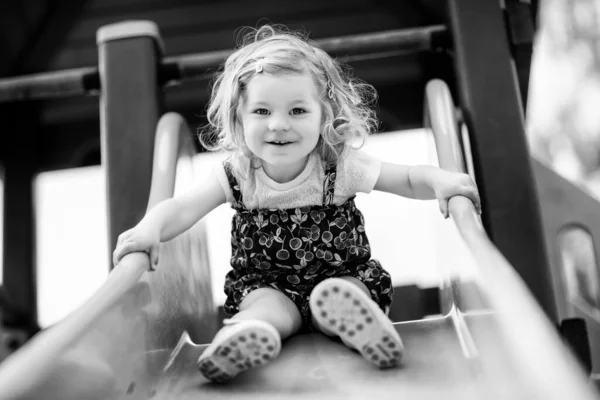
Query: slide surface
<point x="437" y="363"/>
<point x="314" y="366"/>
<point x="475" y="352"/>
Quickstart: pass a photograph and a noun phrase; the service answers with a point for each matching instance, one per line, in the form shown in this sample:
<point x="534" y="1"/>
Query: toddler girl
<point x="292" y="121"/>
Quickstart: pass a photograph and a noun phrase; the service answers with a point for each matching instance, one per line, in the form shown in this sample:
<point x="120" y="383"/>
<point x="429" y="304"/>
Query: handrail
<point x="32" y="364"/>
<point x="173" y="139"/>
<point x="529" y="333"/>
<point x="440" y="112"/>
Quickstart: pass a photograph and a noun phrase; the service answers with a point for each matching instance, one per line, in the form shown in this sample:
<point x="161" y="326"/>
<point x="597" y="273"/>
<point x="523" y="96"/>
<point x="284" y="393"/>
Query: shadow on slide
<point x="497" y="345"/>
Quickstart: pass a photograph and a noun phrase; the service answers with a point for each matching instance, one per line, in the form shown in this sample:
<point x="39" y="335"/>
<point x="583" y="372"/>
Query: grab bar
<point x="529" y="332"/>
<point x="173" y="140"/>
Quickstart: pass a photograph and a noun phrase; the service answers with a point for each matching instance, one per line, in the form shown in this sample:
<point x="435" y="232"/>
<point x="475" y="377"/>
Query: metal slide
<point x="495" y="344"/>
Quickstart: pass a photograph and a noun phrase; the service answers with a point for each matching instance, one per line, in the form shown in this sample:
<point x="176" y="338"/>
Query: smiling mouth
<point x="279" y="142"/>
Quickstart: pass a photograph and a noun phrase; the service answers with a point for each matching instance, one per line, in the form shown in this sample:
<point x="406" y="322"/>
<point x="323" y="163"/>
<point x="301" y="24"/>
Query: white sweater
<point x="356" y="173"/>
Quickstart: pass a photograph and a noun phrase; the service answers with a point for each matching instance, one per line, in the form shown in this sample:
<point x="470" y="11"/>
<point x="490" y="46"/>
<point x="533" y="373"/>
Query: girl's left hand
<point x="449" y="184"/>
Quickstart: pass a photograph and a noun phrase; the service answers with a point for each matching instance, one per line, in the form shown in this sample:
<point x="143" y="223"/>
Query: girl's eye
<point x="298" y="111"/>
<point x="261" y="111"/>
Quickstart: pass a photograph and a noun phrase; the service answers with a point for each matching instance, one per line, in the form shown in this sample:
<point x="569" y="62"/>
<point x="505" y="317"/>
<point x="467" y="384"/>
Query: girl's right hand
<point x="138" y="239"/>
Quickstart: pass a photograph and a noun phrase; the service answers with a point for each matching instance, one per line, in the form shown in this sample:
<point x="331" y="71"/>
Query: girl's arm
<point x="177" y="215"/>
<point x="426" y="182"/>
<point x="169" y="219"/>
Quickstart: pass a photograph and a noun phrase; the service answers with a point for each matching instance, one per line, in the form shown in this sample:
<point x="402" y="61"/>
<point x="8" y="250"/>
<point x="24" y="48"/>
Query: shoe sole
<point x="344" y="309"/>
<point x="246" y="345"/>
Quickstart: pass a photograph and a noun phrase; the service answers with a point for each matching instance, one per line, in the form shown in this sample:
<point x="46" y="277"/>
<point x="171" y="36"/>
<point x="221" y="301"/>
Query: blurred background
<point x="60" y="150"/>
<point x="61" y="248"/>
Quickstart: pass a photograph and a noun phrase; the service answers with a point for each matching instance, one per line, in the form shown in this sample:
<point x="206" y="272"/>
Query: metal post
<point x="489" y="96"/>
<point x="129" y="110"/>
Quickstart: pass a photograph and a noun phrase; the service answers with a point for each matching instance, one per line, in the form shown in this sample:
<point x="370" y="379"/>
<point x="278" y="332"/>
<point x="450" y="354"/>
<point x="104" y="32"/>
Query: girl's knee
<point x="268" y="296"/>
<point x="358" y="283"/>
<point x="272" y="306"/>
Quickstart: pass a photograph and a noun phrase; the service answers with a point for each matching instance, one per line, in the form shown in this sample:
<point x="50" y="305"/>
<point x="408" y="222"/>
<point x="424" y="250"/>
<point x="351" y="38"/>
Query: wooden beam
<point x="47" y="36"/>
<point x="19" y="294"/>
<point x="16" y="25"/>
<point x="491" y="107"/>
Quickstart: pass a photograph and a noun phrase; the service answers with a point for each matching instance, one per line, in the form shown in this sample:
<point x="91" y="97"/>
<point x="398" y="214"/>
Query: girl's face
<point x="281" y="120"/>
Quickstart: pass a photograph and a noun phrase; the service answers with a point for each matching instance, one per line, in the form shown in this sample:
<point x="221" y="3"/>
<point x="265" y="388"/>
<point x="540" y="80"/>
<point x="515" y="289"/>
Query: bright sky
<point x="72" y="247"/>
<point x="565" y="82"/>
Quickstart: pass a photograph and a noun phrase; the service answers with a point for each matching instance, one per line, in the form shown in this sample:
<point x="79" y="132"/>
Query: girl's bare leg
<point x="271" y="306"/>
<point x="252" y="337"/>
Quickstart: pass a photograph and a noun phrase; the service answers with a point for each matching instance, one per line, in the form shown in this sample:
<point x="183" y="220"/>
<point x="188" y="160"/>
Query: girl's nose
<point x="278" y="123"/>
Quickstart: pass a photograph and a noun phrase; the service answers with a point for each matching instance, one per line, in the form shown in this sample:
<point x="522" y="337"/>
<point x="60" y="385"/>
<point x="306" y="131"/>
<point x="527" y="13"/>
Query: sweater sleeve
<point x="357" y="173"/>
<point x="219" y="171"/>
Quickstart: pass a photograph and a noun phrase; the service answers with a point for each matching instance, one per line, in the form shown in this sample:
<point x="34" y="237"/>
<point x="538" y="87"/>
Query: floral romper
<point x="294" y="249"/>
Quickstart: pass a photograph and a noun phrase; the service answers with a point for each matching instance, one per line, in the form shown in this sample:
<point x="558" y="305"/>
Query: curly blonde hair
<point x="348" y="117"/>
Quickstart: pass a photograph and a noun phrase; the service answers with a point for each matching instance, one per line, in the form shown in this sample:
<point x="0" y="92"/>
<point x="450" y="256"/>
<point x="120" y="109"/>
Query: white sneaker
<point x="344" y="309"/>
<point x="238" y="346"/>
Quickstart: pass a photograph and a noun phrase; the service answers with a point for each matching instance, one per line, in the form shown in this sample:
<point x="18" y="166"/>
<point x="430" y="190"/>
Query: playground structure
<point x="505" y="338"/>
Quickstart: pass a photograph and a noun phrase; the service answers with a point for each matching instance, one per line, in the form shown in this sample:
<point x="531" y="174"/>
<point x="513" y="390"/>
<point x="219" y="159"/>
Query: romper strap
<point x="329" y="184"/>
<point x="233" y="184"/>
